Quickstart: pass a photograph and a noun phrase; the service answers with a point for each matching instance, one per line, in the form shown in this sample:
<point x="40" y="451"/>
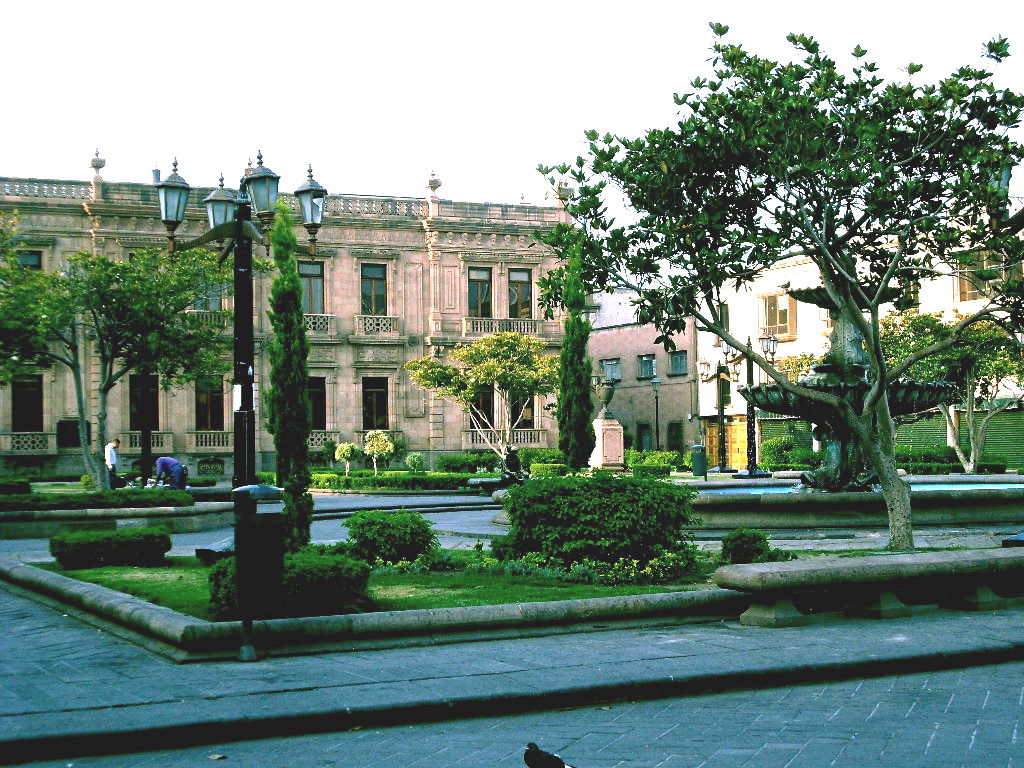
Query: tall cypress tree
<point x="289" y="411"/>
<point x="575" y="407"/>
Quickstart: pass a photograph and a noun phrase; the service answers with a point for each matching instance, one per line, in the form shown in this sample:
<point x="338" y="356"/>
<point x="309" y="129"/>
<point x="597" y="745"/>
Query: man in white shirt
<point x="110" y="457"/>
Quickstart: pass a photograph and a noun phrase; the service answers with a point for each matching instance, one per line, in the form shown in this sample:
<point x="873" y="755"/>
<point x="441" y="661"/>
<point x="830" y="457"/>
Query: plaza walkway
<point x="715" y="694"/>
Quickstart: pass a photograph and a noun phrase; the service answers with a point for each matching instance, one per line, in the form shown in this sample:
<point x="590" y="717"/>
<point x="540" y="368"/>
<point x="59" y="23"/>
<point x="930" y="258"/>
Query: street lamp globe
<point x="261" y="186"/>
<point x="769" y="344"/>
<point x="173" y="193"/>
<point x="312" y="197"/>
<point x="220" y="205"/>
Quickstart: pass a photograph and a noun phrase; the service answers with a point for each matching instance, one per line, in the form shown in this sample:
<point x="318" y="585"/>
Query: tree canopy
<point x="512" y="365"/>
<point x="876" y="184"/>
<point x="129" y="312"/>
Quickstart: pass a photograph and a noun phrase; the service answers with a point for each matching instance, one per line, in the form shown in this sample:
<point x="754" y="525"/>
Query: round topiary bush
<point x="747" y="545"/>
<point x="603" y="517"/>
<point x="389" y="535"/>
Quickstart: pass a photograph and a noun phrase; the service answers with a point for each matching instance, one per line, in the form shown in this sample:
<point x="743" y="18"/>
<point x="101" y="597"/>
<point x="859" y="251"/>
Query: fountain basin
<point x="936" y="500"/>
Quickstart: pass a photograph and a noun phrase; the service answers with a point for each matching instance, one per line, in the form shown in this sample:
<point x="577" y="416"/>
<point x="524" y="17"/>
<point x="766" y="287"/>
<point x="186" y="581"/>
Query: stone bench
<point x="877" y="586"/>
<point x="486" y="485"/>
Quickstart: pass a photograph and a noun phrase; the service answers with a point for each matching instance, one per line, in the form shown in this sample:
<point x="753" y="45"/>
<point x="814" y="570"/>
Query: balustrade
<point x="320" y="325"/>
<point x="377" y="325"/>
<point x="481" y="326"/>
<point x="208" y="441"/>
<point x="28" y="442"/>
<point x="473" y="438"/>
<point x="43" y="188"/>
<point x="318" y="438"/>
<point x="160" y="442"/>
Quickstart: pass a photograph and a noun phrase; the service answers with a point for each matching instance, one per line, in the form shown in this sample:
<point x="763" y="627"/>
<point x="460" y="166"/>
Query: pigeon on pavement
<point x="535" y="757"/>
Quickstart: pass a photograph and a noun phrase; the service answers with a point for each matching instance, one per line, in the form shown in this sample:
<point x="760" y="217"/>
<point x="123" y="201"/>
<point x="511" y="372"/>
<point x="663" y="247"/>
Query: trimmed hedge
<point x="92" y="549"/>
<point x="389" y="535"/>
<point x="467" y="463"/>
<point x="10" y="487"/>
<point x="749" y="545"/>
<point x="528" y="456"/>
<point x="652" y="470"/>
<point x="549" y="470"/>
<point x="315" y="583"/>
<point x="669" y="458"/>
<point x="125" y="497"/>
<point x="403" y="481"/>
<point x="603" y="517"/>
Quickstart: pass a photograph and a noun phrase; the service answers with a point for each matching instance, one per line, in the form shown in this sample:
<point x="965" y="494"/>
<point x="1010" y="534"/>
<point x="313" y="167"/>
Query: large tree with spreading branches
<point x="102" y="318"/>
<point x="878" y="184"/>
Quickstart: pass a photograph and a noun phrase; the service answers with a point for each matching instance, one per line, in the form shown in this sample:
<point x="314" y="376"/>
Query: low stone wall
<point x="44" y="523"/>
<point x="184" y="638"/>
<point x="856" y="510"/>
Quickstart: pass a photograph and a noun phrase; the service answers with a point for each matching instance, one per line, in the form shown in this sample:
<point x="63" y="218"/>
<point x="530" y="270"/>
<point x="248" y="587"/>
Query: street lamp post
<point x="721" y="377"/>
<point x="656" y="388"/>
<point x="752" y="470"/>
<point x="230" y="219"/>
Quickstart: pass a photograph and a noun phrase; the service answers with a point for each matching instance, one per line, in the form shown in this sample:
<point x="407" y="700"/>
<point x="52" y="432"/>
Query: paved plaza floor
<point x="943" y="688"/>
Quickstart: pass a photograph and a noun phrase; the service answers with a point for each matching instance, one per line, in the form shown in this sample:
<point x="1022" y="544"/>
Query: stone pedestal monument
<point x="609" y="448"/>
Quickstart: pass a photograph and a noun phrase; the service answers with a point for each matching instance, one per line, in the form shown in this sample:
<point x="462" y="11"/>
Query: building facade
<point x="391" y="279"/>
<point x="655" y="396"/>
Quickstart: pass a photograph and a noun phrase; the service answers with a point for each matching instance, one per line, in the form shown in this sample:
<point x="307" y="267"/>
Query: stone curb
<point x="192" y="639"/>
<point x="289" y="713"/>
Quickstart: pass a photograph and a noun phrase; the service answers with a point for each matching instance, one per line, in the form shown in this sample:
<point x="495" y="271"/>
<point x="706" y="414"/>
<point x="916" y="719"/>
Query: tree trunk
<point x="896" y="493"/>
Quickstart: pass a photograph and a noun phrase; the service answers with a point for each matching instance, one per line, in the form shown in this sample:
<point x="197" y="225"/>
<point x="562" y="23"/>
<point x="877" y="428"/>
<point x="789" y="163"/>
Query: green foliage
<point x="328" y="451"/>
<point x="664" y="568"/>
<point x="602" y="517"/>
<point x="747" y="545"/>
<point x="671" y="458"/>
<point x="652" y="470"/>
<point x="389" y="535"/>
<point x="415" y="462"/>
<point x="575" y="408"/>
<point x="346" y="452"/>
<point x="516" y="366"/>
<point x="125" y="497"/>
<point x="15" y="486"/>
<point x="472" y="461"/>
<point x="530" y="456"/>
<point x="315" y="584"/>
<point x="289" y="411"/>
<point x="777" y="450"/>
<point x="377" y="444"/>
<point x="90" y="549"/>
<point x="548" y="470"/>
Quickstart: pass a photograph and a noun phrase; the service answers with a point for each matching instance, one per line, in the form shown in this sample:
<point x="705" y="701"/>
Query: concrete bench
<point x="877" y="586"/>
<point x="486" y="485"/>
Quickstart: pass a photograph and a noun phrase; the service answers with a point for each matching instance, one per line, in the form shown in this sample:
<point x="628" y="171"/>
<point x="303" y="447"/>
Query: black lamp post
<point x="721" y="377"/>
<point x="768" y="345"/>
<point x="656" y="388"/>
<point x="230" y="218"/>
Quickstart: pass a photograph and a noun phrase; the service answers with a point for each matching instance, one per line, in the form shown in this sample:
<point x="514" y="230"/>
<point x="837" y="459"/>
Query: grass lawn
<point x="182" y="586"/>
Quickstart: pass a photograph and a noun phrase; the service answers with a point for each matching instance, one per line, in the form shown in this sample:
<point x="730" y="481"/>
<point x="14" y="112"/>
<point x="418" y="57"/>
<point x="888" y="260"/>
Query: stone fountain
<point x="845" y="373"/>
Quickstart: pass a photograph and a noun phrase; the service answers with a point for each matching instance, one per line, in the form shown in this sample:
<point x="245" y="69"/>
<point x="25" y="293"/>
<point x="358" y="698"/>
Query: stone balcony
<point x="320" y="325"/>
<point x="161" y="442"/>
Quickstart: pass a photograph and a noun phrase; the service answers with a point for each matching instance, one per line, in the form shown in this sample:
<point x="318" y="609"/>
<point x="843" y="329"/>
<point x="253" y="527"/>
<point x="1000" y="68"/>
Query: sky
<point x="378" y="95"/>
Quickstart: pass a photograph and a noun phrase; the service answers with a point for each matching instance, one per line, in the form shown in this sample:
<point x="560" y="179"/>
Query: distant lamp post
<point x="721" y="377"/>
<point x="173" y="193"/>
<point x="655" y="389"/>
<point x="766" y="342"/>
<point x="769" y="345"/>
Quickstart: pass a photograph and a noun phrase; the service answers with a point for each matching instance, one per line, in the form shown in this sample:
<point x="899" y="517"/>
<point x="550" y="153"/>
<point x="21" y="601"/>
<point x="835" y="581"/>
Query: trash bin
<point x="259" y="552"/>
<point x="700" y="462"/>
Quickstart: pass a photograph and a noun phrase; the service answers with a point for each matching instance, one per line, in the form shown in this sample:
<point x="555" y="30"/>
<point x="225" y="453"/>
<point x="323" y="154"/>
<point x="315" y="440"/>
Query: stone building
<point x="655" y="396"/>
<point x="391" y="279"/>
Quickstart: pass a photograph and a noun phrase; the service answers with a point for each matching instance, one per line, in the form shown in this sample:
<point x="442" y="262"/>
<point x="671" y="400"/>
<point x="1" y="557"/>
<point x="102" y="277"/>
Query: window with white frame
<point x="646" y="367"/>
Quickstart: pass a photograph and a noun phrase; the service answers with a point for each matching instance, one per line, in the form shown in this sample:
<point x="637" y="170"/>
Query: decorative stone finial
<point x="97" y="162"/>
<point x="433" y="184"/>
